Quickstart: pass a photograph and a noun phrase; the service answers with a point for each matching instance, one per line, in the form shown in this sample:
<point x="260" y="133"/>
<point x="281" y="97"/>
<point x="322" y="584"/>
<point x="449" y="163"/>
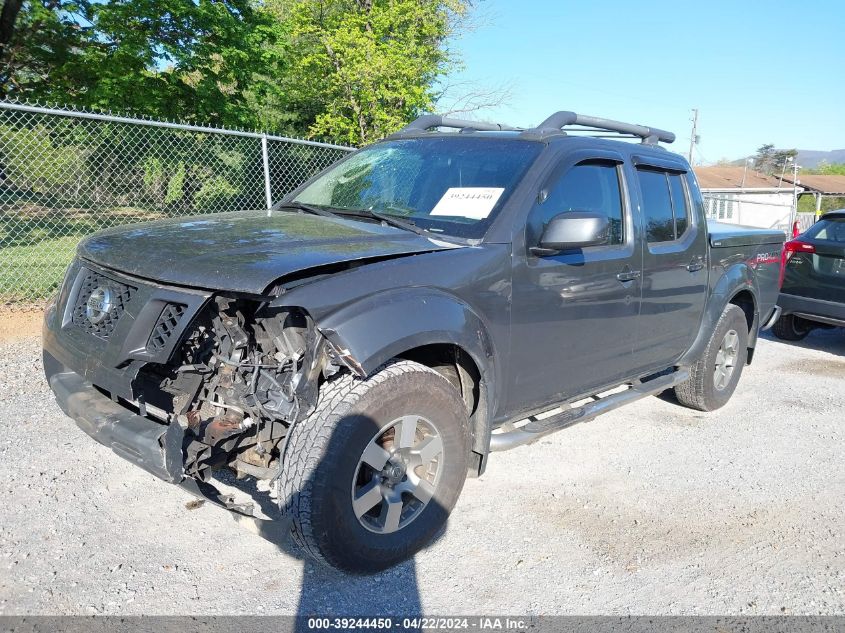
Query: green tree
<point x="807" y="203"/>
<point x="763" y="157"/>
<point x="185" y="59"/>
<point x="364" y="68"/>
<point x="782" y="158"/>
<point x="347" y="70"/>
<point x="769" y="160"/>
<point x="33" y="162"/>
<point x="41" y="40"/>
<point x="827" y="169"/>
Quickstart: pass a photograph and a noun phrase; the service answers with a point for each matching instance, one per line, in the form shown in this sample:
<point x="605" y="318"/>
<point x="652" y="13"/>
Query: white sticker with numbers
<point x="468" y="202"/>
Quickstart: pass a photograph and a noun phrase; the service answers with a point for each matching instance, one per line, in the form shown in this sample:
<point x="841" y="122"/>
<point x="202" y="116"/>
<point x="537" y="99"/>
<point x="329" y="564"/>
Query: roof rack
<point x="559" y="120"/>
<point x="429" y="121"/>
<point x="552" y="125"/>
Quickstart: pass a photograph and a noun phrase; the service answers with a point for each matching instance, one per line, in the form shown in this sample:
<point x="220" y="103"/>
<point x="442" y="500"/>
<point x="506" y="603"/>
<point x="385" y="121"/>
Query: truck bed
<point x="733" y="235"/>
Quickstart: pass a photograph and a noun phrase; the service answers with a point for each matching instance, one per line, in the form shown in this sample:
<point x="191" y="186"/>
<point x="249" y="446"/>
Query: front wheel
<point x="713" y="377"/>
<point x="373" y="473"/>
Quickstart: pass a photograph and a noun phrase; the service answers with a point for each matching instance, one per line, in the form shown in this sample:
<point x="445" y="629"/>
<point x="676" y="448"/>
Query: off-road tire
<point x="324" y="451"/>
<point x="699" y="391"/>
<point x="791" y="328"/>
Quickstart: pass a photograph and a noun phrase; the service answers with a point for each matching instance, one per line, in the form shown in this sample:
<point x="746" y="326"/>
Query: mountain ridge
<point x="810" y="158"/>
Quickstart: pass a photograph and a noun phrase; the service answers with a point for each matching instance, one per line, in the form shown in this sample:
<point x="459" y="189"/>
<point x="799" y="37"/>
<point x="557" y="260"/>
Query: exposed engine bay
<point x="243" y="375"/>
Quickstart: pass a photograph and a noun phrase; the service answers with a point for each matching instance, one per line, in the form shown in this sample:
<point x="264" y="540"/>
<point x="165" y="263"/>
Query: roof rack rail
<point x="429" y="121"/>
<point x="559" y="120"/>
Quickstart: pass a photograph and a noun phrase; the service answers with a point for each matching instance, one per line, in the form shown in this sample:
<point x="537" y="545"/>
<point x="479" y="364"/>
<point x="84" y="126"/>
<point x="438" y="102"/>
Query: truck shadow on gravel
<point x="328" y="592"/>
<point x="830" y="340"/>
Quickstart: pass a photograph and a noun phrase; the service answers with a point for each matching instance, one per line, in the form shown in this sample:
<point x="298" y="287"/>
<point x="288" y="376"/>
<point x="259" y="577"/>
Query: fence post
<point x="268" y="196"/>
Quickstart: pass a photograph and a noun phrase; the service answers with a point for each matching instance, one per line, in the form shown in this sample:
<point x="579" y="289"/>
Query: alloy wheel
<point x="397" y="474"/>
<point x="726" y="360"/>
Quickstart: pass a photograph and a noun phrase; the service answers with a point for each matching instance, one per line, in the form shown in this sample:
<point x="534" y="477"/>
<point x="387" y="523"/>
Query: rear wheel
<point x="372" y="475"/>
<point x="791" y="328"/>
<point x="713" y="378"/>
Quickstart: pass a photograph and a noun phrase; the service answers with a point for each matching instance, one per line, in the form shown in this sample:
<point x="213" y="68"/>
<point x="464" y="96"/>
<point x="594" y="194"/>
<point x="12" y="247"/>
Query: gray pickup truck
<point x="457" y="289"/>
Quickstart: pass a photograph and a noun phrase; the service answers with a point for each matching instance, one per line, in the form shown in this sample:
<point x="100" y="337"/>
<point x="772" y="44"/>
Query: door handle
<point x="695" y="265"/>
<point x="628" y="275"/>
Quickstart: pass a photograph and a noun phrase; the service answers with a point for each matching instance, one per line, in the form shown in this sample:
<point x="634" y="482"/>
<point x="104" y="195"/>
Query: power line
<point x="703" y="160"/>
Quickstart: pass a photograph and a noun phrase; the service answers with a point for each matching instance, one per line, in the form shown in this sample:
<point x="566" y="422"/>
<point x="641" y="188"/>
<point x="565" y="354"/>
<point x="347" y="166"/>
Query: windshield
<point x="445" y="185"/>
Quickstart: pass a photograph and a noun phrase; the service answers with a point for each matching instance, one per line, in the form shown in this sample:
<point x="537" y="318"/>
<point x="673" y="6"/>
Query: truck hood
<point x="246" y="251"/>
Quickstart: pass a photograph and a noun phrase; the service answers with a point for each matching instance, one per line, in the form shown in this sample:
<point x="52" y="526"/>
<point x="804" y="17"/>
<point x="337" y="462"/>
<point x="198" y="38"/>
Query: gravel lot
<point x="651" y="509"/>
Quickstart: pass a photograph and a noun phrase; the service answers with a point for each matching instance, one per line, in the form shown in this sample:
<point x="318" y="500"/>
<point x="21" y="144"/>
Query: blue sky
<point x="759" y="72"/>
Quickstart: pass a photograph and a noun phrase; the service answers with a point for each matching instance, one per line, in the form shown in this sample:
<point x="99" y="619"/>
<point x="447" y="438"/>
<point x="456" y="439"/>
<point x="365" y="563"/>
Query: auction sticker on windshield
<point x="468" y="202"/>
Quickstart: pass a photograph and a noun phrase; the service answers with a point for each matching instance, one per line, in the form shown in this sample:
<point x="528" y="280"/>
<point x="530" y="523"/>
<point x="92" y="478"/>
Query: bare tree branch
<point x="467" y="97"/>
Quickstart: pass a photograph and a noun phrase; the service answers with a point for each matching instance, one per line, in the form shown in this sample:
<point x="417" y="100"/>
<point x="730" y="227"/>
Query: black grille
<point x="104" y="320"/>
<point x="165" y="327"/>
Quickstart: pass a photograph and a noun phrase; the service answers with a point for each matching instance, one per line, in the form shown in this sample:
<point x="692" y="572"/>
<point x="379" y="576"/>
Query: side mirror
<point x="569" y="231"/>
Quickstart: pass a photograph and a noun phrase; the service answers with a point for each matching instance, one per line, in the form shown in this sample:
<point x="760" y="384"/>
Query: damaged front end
<point x="244" y="375"/>
<point x="225" y="400"/>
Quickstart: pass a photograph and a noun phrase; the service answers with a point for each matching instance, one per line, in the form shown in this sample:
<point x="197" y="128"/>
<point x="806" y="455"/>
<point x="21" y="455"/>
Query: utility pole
<point x="795" y="168"/>
<point x="786" y="160"/>
<point x="748" y="161"/>
<point x="693" y="139"/>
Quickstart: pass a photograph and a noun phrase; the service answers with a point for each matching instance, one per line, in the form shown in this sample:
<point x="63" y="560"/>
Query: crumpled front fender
<point x="384" y="325"/>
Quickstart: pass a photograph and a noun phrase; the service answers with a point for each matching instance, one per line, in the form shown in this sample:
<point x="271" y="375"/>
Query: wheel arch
<point x="737" y="286"/>
<point x="745" y="299"/>
<point x="433" y="328"/>
<point x="459" y="367"/>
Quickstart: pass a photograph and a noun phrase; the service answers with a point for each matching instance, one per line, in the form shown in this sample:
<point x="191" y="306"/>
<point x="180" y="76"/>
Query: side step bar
<point x="503" y="439"/>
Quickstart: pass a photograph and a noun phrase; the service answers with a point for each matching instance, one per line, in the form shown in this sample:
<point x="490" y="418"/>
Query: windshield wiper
<point x="308" y="208"/>
<point x="390" y="220"/>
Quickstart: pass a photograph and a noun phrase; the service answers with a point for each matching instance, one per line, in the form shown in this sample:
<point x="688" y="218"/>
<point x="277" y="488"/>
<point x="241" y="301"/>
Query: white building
<point x="742" y="196"/>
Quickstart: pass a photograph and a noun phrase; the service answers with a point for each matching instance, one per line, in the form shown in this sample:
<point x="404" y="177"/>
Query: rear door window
<point x="665" y="205"/>
<point x="680" y="206"/>
<point x="657" y="205"/>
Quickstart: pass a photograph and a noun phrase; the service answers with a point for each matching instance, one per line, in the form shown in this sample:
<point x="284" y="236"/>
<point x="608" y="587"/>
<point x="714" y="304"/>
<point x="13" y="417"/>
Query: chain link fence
<point x="65" y="174"/>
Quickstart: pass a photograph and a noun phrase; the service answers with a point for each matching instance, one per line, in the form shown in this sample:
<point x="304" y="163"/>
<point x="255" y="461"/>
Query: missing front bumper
<point x="155" y="447"/>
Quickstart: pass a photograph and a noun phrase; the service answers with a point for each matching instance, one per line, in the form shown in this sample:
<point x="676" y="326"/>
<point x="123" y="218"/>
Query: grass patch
<point x="38" y="240"/>
<point x="33" y="272"/>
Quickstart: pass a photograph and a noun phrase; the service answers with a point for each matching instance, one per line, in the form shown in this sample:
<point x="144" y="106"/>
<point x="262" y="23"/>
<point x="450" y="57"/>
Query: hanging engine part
<point x="243" y="376"/>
